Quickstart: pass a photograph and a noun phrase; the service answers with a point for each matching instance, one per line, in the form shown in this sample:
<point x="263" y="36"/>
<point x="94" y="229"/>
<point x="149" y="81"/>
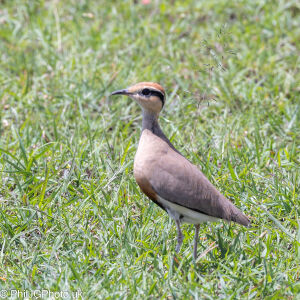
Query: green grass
<point x="73" y="218"/>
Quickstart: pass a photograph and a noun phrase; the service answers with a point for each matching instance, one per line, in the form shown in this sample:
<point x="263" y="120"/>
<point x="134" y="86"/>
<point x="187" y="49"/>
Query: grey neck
<point x="150" y="122"/>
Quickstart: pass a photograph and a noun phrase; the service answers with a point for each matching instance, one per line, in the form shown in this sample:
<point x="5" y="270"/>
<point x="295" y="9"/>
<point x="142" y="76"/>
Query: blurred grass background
<point x="72" y="217"/>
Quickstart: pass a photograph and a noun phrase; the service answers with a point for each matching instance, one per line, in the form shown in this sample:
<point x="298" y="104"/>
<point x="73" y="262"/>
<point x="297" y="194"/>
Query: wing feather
<point x="176" y="179"/>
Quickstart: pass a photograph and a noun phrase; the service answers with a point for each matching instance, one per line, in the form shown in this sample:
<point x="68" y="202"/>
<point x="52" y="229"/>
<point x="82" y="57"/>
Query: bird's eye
<point x="145" y="92"/>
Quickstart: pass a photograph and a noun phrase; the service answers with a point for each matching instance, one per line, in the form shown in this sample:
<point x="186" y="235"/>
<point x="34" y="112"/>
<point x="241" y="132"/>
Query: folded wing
<point x="177" y="180"/>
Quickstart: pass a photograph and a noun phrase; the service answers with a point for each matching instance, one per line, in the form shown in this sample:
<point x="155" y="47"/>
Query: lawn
<point x="72" y="217"/>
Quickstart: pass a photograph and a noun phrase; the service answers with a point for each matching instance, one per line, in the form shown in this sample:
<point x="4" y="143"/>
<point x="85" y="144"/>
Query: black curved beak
<point x="120" y="92"/>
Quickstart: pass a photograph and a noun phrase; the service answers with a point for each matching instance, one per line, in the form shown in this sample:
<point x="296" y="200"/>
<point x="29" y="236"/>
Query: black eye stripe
<point x="159" y="94"/>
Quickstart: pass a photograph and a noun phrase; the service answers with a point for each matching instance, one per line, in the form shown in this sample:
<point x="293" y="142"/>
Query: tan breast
<point x="145" y="160"/>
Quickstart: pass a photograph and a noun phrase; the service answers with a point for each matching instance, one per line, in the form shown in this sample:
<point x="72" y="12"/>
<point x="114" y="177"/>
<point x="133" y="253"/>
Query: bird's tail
<point x="238" y="217"/>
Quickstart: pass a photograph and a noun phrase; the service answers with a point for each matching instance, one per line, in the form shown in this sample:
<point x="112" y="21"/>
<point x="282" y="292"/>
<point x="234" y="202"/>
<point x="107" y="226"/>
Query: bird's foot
<point x="197" y="226"/>
<point x="179" y="243"/>
<point x="179" y="236"/>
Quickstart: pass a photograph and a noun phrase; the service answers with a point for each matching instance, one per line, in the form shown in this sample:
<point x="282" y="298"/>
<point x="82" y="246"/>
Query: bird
<point x="168" y="178"/>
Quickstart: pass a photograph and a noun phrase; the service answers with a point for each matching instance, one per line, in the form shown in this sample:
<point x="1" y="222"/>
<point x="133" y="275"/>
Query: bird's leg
<point x="179" y="236"/>
<point x="196" y="240"/>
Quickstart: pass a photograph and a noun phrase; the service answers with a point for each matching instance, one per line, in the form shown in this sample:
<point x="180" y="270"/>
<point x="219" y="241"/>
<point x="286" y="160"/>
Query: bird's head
<point x="149" y="95"/>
